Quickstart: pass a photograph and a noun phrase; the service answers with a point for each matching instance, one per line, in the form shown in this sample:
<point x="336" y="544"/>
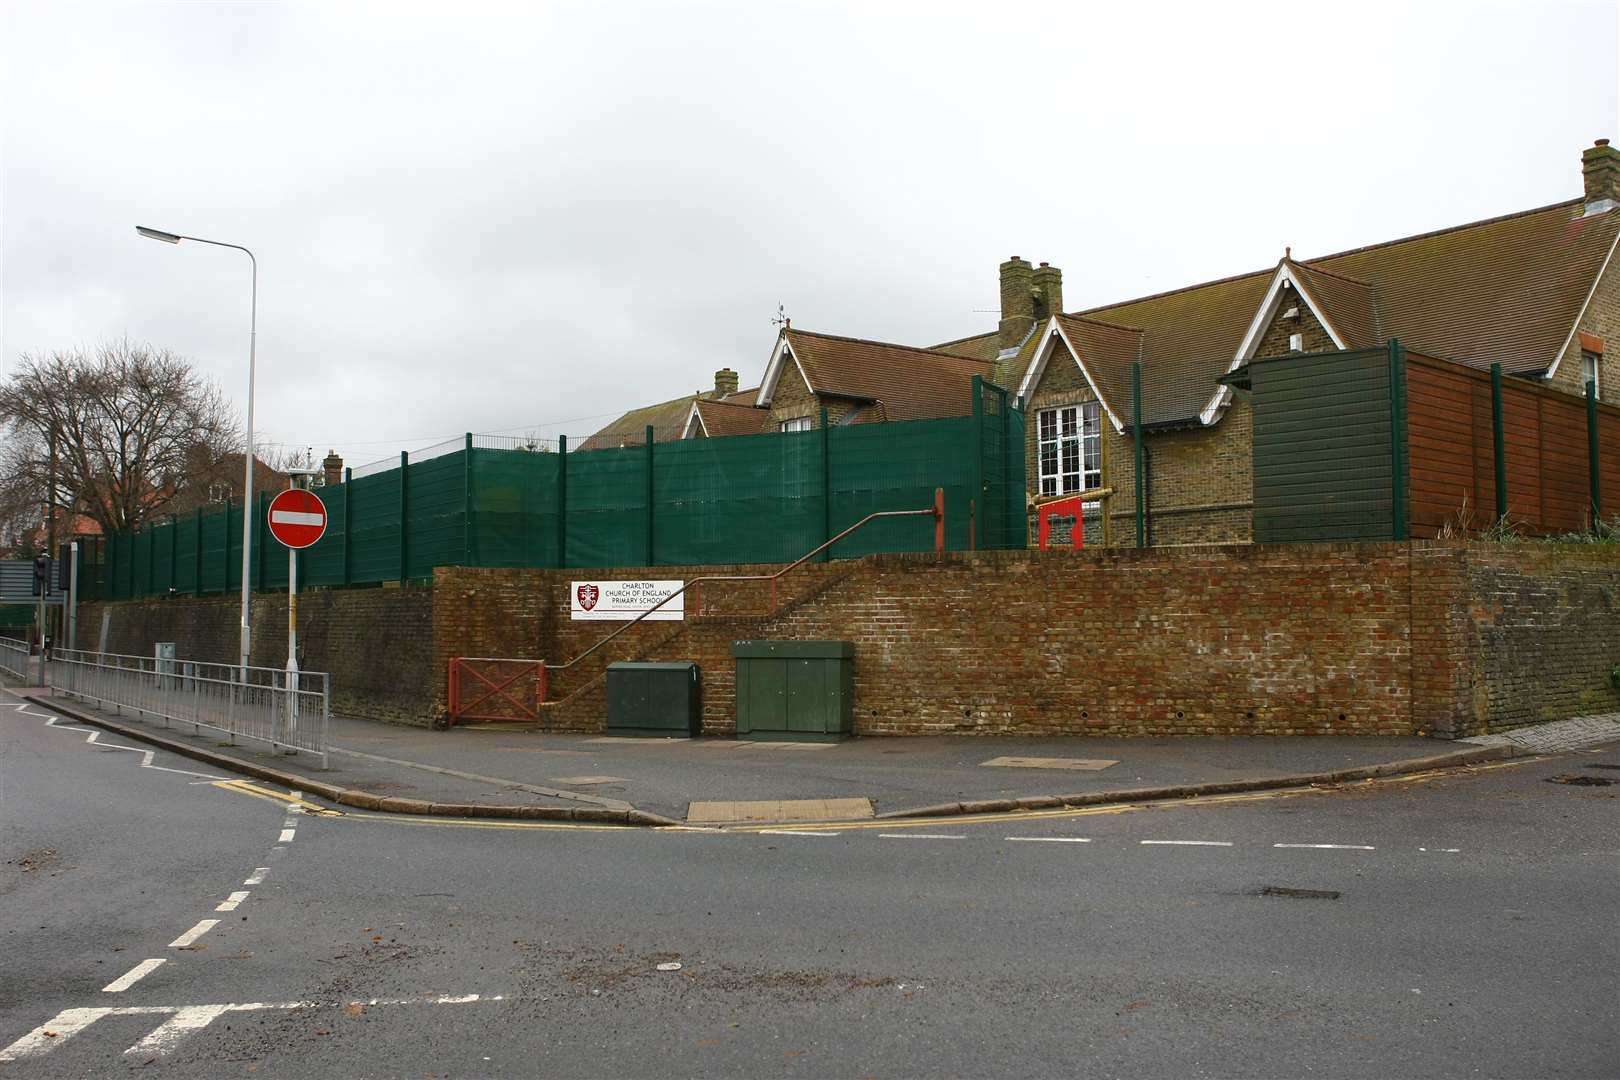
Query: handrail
<point x="937" y="512"/>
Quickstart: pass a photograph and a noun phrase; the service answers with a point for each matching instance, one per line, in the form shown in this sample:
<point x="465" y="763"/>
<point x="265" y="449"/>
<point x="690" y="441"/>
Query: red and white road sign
<point x="297" y="518"/>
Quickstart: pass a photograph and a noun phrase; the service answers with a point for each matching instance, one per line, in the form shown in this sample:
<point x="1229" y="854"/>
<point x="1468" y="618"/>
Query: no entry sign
<point x="297" y="518"/>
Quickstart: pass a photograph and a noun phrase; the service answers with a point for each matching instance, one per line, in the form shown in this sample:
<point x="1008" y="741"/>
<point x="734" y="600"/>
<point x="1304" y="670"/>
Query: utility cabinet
<point x="795" y="690"/>
<point x="660" y="700"/>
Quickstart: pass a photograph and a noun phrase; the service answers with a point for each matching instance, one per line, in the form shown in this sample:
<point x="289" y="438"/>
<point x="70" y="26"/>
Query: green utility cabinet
<point x="653" y="699"/>
<point x="802" y="690"/>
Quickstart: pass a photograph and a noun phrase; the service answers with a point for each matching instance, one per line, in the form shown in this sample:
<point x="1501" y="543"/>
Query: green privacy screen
<point x="743" y="499"/>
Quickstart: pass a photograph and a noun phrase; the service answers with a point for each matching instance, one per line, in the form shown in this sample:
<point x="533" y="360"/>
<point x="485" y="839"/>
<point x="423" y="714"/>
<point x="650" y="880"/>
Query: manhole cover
<point x="1297" y="894"/>
<point x="1580" y="781"/>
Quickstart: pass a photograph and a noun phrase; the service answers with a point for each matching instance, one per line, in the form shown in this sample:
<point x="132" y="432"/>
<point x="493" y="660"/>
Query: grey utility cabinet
<point x="788" y="690"/>
<point x="654" y="699"/>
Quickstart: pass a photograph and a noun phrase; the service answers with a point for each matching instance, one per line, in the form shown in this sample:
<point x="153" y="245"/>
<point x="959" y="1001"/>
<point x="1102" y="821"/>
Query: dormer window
<point x="798" y="423"/>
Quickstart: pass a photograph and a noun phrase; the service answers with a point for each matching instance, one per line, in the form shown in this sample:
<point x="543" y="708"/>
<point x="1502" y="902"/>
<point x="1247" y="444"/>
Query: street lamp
<point x="247" y="464"/>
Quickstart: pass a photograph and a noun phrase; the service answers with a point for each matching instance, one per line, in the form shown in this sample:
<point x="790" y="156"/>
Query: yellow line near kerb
<point x="242" y="787"/>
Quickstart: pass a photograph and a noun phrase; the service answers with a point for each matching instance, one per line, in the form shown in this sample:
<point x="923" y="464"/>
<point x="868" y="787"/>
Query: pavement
<point x="493" y="771"/>
<point x="1453" y="925"/>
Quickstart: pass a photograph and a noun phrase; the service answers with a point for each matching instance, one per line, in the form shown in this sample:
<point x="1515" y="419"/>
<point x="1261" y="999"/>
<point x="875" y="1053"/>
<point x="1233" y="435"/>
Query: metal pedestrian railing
<point x="14" y="657"/>
<point x="265" y="709"/>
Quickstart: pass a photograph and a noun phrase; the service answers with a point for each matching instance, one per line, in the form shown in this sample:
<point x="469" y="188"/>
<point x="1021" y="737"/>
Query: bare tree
<point x="132" y="425"/>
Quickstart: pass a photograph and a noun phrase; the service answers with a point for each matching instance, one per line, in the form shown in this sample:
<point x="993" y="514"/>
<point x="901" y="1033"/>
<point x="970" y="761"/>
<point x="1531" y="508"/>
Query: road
<point x="163" y="923"/>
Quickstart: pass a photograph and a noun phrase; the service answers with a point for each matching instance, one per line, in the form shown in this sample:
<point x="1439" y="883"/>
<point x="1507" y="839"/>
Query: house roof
<point x="1505" y="290"/>
<point x="910" y="383"/>
<point x="668" y="420"/>
<point x="732" y="415"/>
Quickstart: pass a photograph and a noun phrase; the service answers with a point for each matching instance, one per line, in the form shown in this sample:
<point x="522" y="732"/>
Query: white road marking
<point x="132" y="976"/>
<point x="920" y="836"/>
<point x="53" y="1032"/>
<point x="193" y="934"/>
<point x="286" y="836"/>
<point x="257" y="877"/>
<point x="1330" y="847"/>
<point x="94" y="736"/>
<point x="1446" y="850"/>
<point x="1049" y="839"/>
<point x="1191" y="843"/>
<point x="231" y="902"/>
<point x="794" y="832"/>
<point x="168" y="1034"/>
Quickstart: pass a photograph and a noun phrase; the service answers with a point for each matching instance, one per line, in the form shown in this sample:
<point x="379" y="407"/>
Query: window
<point x="1590" y="362"/>
<point x="1070" y="449"/>
<point x="798" y="423"/>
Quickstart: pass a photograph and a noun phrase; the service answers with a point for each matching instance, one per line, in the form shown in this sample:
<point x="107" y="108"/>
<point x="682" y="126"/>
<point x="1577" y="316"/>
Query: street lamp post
<point x="247" y="465"/>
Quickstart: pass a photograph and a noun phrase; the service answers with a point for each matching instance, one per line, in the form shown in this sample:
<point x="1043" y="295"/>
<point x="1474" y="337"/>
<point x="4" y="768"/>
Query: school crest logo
<point x="588" y="595"/>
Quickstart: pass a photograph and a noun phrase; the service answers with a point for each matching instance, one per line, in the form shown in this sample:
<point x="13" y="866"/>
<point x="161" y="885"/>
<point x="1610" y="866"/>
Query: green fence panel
<point x="434" y="500"/>
<point x="897" y="466"/>
<point x="213" y="552"/>
<point x="514" y="507"/>
<point x="323" y="562"/>
<point x="374" y="549"/>
<point x="185" y="560"/>
<point x="742" y="499"/>
<point x="607" y="499"/>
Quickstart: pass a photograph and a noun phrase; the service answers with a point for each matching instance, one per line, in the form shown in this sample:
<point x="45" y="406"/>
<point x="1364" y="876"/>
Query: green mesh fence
<point x="745" y="499"/>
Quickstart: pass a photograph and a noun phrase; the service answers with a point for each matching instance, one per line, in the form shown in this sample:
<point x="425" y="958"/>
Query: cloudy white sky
<point x="530" y="217"/>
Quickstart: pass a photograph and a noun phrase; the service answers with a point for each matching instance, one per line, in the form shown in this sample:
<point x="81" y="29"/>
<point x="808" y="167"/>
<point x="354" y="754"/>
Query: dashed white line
<point x="1050" y="839"/>
<point x="920" y="836"/>
<point x="132" y="976"/>
<point x="1444" y="850"/>
<point x="193" y="934"/>
<point x="232" y="902"/>
<point x="1330" y="847"/>
<point x="1190" y="843"/>
<point x="257" y="877"/>
<point x="53" y="1032"/>
<point x="184" y="1021"/>
<point x="286" y="836"/>
<point x="794" y="832"/>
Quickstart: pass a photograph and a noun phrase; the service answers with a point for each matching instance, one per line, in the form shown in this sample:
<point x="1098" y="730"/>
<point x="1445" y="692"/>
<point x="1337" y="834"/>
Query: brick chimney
<point x="332" y="467"/>
<point x="725" y="382"/>
<point x="1017" y="302"/>
<point x="1048" y="283"/>
<point x="1600" y="168"/>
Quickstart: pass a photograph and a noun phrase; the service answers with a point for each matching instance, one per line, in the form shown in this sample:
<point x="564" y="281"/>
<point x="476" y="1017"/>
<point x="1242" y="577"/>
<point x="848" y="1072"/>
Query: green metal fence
<point x="742" y="499"/>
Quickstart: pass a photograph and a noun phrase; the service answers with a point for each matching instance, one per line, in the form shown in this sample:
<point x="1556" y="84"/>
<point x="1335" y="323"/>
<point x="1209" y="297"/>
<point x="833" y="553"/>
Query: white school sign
<point x="621" y="601"/>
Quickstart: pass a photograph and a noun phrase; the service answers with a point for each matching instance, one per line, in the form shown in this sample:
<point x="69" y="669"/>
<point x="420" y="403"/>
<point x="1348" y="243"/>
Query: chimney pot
<point x="1017" y="302"/>
<point x="725" y="382"/>
<point x="332" y="468"/>
<point x="1048" y="284"/>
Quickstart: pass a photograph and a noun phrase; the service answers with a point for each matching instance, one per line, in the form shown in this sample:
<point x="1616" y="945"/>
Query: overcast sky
<point x="528" y="217"/>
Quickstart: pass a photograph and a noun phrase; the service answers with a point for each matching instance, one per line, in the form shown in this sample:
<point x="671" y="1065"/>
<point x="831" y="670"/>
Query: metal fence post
<point x="826" y="485"/>
<point x="1397" y="440"/>
<point x="562" y="501"/>
<point x="404" y="514"/>
<point x="1592" y="454"/>
<point x="466" y="501"/>
<point x="1498" y="451"/>
<point x="348" y="523"/>
<point x="259" y="523"/>
<point x="650" y="502"/>
<point x="1136" y="429"/>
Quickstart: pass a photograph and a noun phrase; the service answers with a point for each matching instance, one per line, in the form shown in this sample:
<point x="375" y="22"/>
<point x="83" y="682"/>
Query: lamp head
<point x="157" y="234"/>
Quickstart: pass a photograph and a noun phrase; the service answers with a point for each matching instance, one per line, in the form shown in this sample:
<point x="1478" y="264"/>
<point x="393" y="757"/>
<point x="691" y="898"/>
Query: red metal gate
<point x="487" y="688"/>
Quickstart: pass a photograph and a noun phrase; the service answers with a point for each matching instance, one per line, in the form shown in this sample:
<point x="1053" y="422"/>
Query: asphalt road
<point x="1459" y="926"/>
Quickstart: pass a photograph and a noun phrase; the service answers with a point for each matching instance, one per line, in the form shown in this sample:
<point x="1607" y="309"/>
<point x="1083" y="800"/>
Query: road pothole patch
<point x="1580" y="780"/>
<point x="1289" y="893"/>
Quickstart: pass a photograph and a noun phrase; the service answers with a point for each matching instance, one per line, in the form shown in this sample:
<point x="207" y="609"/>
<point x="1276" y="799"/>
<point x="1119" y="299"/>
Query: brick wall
<point x="1274" y="342"/>
<point x="377" y="643"/>
<point x="1371" y="639"/>
<point x="792" y="399"/>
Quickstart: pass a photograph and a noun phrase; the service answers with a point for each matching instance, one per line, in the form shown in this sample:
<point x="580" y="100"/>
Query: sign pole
<point x="297" y="519"/>
<point x="292" y="632"/>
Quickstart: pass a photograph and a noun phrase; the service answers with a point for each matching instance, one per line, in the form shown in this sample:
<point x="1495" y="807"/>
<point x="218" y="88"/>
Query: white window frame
<point x="1073" y="434"/>
<point x="1592" y="371"/>
<point x="797" y="423"/>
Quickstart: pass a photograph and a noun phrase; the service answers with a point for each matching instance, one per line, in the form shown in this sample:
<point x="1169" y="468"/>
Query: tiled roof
<point x="911" y="383"/>
<point x="1506" y="290"/>
<point x="668" y="420"/>
<point x="730" y="416"/>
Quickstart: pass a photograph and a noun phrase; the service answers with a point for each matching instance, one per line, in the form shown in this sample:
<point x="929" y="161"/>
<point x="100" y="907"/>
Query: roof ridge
<point x="958" y="341"/>
<point x="892" y="345"/>
<point x="728" y="404"/>
<point x="1335" y="255"/>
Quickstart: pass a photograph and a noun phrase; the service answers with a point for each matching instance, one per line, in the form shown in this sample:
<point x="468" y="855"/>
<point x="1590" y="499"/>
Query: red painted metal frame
<point x="495" y="689"/>
<point x="1074" y="506"/>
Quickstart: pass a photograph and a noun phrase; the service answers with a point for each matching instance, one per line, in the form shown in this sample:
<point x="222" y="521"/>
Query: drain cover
<point x="1579" y="780"/>
<point x="1297" y="894"/>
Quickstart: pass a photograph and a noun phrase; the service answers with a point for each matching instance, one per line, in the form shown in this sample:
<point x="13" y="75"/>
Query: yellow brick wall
<point x="1603" y="319"/>
<point x="793" y="399"/>
<point x="1274" y="342"/>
